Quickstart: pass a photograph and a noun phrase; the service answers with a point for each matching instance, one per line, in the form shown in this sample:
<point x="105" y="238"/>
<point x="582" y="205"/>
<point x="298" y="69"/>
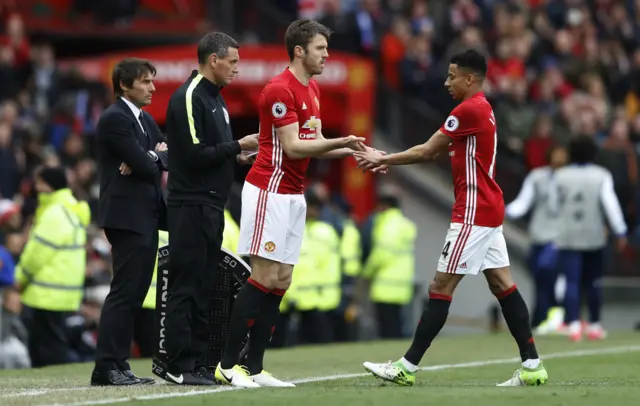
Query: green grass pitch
<point x="458" y="370"/>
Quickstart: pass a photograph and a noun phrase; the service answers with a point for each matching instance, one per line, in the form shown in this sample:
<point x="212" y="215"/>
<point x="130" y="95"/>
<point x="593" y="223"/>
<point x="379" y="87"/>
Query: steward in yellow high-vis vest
<point x="315" y="289"/>
<point x="351" y="249"/>
<point x="51" y="271"/>
<point x="345" y="328"/>
<point x="390" y="265"/>
<point x="338" y="215"/>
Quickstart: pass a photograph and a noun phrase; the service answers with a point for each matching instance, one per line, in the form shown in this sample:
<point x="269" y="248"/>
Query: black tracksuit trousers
<point x="195" y="240"/>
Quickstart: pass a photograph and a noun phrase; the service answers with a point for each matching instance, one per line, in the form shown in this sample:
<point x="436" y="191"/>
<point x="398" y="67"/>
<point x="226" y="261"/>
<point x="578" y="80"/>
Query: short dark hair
<point x="312" y="199"/>
<point x="552" y="150"/>
<point x="301" y="32"/>
<point x="215" y="43"/>
<point x="54" y="176"/>
<point x="388" y="199"/>
<point x="583" y="149"/>
<point x="471" y="59"/>
<point x="128" y="70"/>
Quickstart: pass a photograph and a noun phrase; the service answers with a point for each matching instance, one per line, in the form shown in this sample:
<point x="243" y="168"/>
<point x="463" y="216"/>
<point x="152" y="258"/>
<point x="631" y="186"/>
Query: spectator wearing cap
<point x="51" y="271"/>
<point x="10" y="217"/>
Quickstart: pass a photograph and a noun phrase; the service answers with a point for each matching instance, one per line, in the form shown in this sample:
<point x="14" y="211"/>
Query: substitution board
<point x="231" y="274"/>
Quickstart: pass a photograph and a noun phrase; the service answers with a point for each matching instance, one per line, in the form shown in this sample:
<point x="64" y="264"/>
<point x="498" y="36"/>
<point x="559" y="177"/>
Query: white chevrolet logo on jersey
<point x="304" y="106"/>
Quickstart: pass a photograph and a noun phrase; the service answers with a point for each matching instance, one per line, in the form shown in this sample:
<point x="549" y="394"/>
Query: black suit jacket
<point x="132" y="202"/>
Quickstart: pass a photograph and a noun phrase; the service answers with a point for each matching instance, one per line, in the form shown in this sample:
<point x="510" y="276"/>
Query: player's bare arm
<point x="345" y="152"/>
<point x="296" y="148"/>
<point x="420" y="153"/>
<point x="337" y="153"/>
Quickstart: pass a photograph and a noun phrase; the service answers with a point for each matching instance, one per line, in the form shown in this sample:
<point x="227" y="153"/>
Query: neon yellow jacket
<point x="150" y="299"/>
<point x="351" y="249"/>
<point x="51" y="270"/>
<point x="316" y="276"/>
<point x="231" y="233"/>
<point x="391" y="264"/>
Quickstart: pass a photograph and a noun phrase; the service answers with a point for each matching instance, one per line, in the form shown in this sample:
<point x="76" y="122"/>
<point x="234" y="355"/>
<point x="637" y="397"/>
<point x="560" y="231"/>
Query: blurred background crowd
<point x="557" y="68"/>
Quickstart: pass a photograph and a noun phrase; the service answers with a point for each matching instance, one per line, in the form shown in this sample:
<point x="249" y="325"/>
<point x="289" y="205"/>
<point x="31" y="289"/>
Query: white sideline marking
<point x="566" y="354"/>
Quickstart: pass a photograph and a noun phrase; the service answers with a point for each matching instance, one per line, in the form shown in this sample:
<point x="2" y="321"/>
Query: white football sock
<point x="531" y="363"/>
<point x="594" y="326"/>
<point x="408" y="366"/>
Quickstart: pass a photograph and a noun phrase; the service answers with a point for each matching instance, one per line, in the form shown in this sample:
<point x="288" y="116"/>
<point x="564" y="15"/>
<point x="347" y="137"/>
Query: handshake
<point x="367" y="158"/>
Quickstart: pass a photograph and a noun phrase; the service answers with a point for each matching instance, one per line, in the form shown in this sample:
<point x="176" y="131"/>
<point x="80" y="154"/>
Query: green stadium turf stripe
<point x="475" y="364"/>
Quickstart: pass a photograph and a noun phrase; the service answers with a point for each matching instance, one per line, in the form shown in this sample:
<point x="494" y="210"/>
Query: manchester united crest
<point x="270" y="246"/>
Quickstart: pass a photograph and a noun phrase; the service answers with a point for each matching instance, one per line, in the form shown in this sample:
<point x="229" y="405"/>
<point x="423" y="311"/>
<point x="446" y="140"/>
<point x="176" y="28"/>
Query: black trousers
<point x="134" y="258"/>
<point x="389" y="318"/>
<point x="315" y="327"/>
<point x="144" y="332"/>
<point x="343" y="331"/>
<point x="195" y="240"/>
<point x="48" y="341"/>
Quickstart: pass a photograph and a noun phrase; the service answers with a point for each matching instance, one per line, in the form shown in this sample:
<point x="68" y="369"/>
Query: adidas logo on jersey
<point x="463" y="265"/>
<point x="304" y="106"/>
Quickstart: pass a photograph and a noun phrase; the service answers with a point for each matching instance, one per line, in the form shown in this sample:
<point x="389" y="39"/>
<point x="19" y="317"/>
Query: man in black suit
<point x="131" y="159"/>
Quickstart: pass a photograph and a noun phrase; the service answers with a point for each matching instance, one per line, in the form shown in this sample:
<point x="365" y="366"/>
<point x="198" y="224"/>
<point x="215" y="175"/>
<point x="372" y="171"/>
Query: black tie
<point x="144" y="128"/>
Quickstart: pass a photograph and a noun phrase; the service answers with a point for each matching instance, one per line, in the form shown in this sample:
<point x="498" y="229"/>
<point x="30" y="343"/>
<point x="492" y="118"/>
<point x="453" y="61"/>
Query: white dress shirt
<point x="136" y="112"/>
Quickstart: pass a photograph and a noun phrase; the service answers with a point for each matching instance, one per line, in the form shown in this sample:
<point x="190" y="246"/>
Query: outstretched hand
<point x="353" y="142"/>
<point x="369" y="158"/>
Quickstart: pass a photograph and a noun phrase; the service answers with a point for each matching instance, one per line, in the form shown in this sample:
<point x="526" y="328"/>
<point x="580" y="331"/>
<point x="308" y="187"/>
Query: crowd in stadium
<point x="557" y="68"/>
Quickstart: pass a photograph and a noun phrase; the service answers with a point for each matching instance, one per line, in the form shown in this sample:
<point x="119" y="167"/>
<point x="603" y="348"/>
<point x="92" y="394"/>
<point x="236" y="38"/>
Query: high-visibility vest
<point x="351" y="249"/>
<point x="52" y="266"/>
<point x="391" y="264"/>
<point x="316" y="276"/>
<point x="231" y="234"/>
<point x="150" y="299"/>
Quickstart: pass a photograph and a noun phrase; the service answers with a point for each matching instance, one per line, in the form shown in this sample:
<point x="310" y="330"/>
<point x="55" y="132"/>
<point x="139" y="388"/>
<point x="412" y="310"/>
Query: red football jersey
<point x="283" y="101"/>
<point x="474" y="141"/>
